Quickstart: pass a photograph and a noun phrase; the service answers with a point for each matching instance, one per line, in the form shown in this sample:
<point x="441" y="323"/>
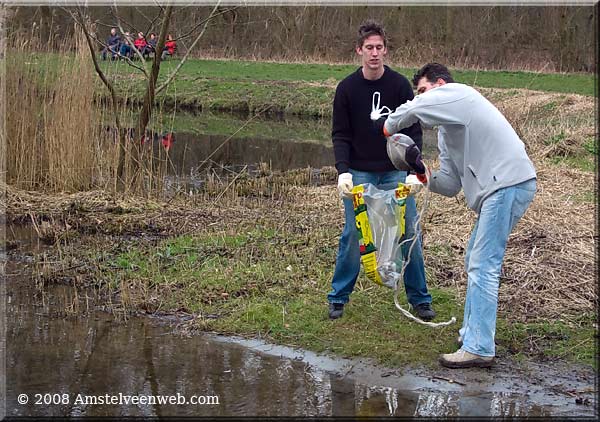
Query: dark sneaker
<point x="425" y="311"/>
<point x="464" y="359"/>
<point x="336" y="310"/>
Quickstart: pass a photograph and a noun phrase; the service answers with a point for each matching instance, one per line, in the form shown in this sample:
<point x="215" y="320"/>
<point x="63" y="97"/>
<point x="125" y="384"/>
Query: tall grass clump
<point x="54" y="139"/>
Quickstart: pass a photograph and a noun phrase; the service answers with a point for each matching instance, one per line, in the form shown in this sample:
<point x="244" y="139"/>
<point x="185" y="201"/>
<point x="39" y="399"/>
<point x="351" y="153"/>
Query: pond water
<point x="65" y="356"/>
<point x="228" y="143"/>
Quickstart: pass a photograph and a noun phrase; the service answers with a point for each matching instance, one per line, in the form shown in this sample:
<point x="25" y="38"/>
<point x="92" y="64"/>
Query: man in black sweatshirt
<point x="361" y="157"/>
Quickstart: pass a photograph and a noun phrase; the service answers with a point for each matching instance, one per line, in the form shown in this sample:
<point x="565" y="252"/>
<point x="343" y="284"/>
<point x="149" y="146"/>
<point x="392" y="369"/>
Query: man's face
<point x="372" y="52"/>
<point x="113" y="31"/>
<point x="424" y="85"/>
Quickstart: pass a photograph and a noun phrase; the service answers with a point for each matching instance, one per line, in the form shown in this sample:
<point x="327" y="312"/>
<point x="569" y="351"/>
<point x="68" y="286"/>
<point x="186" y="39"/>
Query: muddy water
<point x="71" y="359"/>
<point x="281" y="143"/>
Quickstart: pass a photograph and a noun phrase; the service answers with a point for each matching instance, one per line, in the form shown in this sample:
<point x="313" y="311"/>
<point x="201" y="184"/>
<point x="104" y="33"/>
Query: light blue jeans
<point x="499" y="214"/>
<point x="347" y="265"/>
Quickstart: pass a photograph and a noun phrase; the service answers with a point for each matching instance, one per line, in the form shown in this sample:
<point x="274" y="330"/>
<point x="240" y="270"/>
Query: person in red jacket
<point x="140" y="43"/>
<point x="170" y="47"/>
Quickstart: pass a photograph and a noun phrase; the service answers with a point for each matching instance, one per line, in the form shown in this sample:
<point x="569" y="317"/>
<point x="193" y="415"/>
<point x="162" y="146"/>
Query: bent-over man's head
<point x="431" y="76"/>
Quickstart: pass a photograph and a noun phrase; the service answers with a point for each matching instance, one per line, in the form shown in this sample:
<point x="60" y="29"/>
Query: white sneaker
<point x="464" y="359"/>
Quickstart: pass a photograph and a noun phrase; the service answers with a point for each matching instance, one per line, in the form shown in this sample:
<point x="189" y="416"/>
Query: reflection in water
<point x="189" y="151"/>
<point x="192" y="154"/>
<point x="52" y="349"/>
<point x="96" y="356"/>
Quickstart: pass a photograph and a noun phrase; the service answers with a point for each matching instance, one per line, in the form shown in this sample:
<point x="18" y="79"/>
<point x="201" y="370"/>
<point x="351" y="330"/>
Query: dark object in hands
<point x="412" y="157"/>
<point x="378" y="124"/>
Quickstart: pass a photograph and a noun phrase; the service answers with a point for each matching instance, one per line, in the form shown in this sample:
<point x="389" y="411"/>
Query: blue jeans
<point x="112" y="50"/>
<point x="125" y="51"/>
<point x="347" y="265"/>
<point x="499" y="214"/>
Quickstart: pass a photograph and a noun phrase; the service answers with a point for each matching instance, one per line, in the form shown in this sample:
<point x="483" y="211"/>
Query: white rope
<point x="405" y="264"/>
<point x="377" y="112"/>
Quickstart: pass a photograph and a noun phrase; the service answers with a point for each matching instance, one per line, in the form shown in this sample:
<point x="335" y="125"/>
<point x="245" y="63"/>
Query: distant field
<point x="305" y="90"/>
<point x="554" y="82"/>
<point x="296" y="89"/>
<point x="325" y="74"/>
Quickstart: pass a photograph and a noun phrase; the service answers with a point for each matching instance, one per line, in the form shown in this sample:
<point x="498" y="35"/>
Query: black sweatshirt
<point x="356" y="142"/>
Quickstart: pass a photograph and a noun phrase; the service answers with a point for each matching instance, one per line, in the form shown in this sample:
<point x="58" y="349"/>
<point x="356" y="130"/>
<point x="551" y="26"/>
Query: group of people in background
<point x="121" y="47"/>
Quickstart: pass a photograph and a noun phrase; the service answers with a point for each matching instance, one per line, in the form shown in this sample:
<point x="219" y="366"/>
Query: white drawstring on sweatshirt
<point x="376" y="112"/>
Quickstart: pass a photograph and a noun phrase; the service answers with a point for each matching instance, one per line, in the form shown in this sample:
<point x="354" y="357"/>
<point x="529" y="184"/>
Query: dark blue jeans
<point x="347" y="266"/>
<point x="125" y="50"/>
<point x="112" y="50"/>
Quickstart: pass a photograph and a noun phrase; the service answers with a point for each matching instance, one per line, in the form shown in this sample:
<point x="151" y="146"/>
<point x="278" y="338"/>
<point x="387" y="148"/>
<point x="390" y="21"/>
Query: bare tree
<point x="132" y="164"/>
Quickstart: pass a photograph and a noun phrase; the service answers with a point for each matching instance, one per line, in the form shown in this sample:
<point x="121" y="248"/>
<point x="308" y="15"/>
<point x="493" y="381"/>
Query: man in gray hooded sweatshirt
<point x="481" y="153"/>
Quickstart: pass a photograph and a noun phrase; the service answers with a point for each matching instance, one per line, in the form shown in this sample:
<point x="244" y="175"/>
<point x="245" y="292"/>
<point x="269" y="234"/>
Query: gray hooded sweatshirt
<point x="480" y="152"/>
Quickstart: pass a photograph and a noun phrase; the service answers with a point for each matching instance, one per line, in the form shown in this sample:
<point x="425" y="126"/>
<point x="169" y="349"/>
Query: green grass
<point x="266" y="71"/>
<point x="215" y="123"/>
<point x="551" y="82"/>
<point x="233" y="282"/>
<point x="581" y="162"/>
<point x="303" y="89"/>
<point x="550" y="340"/>
<point x="583" y="158"/>
<point x="291" y="88"/>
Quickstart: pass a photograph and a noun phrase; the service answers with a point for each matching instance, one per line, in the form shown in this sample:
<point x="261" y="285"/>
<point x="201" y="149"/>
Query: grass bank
<point x="302" y="89"/>
<point x="278" y="292"/>
<point x="578" y="83"/>
<point x="258" y="262"/>
<point x="209" y="122"/>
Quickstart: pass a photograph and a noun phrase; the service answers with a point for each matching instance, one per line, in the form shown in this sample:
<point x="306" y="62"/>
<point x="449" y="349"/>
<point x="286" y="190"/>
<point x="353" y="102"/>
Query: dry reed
<point x="52" y="125"/>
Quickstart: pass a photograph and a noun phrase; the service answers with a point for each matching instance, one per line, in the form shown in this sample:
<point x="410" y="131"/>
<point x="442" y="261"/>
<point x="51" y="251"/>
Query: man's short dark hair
<point x="432" y="72"/>
<point x="369" y="28"/>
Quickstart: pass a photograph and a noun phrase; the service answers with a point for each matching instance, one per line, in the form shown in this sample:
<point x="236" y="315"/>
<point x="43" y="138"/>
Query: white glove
<point x="414" y="184"/>
<point x="345" y="185"/>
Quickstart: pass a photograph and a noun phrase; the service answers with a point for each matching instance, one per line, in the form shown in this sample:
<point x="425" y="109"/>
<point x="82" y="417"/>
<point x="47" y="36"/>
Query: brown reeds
<point x="58" y="137"/>
<point x="70" y="125"/>
<point x="52" y="125"/>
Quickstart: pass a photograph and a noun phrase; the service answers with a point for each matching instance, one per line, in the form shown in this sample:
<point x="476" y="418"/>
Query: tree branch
<point x="146" y="111"/>
<point x="212" y="16"/>
<point x="140" y="55"/>
<point x="187" y="53"/>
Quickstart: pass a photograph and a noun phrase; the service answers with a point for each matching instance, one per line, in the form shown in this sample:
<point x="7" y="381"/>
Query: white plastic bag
<point x="381" y="227"/>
